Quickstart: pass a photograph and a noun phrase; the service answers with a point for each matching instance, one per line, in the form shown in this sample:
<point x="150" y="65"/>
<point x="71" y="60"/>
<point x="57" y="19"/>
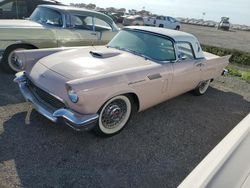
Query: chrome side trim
<point x="74" y="120"/>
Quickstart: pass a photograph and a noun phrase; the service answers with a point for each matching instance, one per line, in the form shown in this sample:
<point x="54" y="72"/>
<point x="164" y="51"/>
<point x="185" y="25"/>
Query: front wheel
<point x="114" y="115"/>
<point x="202" y="87"/>
<point x="9" y="60"/>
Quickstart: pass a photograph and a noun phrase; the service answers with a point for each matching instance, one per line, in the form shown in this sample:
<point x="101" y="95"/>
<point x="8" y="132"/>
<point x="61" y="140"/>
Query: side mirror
<point x="182" y="56"/>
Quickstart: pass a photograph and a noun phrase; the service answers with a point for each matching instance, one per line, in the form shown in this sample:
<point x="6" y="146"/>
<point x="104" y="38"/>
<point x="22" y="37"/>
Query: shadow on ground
<point x="9" y="91"/>
<point x="158" y="148"/>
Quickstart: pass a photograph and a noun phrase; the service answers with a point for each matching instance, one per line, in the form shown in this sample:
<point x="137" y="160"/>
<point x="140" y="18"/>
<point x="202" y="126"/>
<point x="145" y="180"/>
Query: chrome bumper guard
<point x="74" y="120"/>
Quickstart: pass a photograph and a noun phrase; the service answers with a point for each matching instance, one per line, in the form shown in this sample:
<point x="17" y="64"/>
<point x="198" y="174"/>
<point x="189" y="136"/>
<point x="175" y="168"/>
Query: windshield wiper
<point x="137" y="53"/>
<point x="116" y="47"/>
<point x="130" y="51"/>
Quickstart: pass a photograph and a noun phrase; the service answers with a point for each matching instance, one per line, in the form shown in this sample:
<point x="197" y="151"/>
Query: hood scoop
<point x="99" y="54"/>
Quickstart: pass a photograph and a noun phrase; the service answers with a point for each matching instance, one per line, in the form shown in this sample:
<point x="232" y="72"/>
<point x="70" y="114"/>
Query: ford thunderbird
<point x="52" y="26"/>
<point x="100" y="87"/>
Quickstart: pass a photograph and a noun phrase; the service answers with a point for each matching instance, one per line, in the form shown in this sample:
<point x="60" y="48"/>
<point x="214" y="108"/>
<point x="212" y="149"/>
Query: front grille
<point x="45" y="96"/>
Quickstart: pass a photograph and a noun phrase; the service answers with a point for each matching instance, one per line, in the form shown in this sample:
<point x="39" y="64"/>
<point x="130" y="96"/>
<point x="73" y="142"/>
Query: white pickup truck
<point x="162" y="21"/>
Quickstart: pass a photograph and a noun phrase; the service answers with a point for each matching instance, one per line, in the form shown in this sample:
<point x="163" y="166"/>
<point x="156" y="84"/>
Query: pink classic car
<point x="100" y="87"/>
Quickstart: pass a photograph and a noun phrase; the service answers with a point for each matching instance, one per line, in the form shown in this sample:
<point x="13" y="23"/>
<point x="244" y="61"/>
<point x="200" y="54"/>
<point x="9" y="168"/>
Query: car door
<point x="186" y="71"/>
<point x="79" y="31"/>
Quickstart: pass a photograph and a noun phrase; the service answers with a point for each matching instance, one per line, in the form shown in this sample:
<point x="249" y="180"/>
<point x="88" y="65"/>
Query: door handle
<point x="93" y="34"/>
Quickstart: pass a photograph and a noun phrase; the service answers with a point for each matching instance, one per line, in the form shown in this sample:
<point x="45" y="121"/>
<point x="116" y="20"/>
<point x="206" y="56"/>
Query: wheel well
<point x="135" y="100"/>
<point x="21" y="45"/>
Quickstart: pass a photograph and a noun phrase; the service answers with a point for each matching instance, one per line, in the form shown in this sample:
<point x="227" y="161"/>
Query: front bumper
<point x="75" y="120"/>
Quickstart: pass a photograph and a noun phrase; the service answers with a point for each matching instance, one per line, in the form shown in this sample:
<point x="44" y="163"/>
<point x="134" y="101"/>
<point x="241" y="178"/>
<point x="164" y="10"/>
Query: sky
<point x="237" y="10"/>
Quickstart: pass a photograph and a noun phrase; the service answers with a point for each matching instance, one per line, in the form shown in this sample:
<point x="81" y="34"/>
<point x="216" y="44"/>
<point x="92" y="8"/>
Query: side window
<point x="22" y="9"/>
<point x="47" y="16"/>
<point x="172" y="19"/>
<point x="8" y="6"/>
<point x="101" y="25"/>
<point x="8" y="9"/>
<point x="185" y="50"/>
<point x="82" y="22"/>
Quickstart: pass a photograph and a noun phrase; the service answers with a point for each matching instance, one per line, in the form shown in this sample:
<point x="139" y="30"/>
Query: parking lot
<point x="158" y="148"/>
<point x="239" y="40"/>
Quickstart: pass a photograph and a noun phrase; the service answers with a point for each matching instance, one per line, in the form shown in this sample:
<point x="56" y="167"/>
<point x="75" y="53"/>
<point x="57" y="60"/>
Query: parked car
<point x="116" y="16"/>
<point x="162" y="21"/>
<point x="110" y="14"/>
<point x="133" y="20"/>
<point x="227" y="165"/>
<point x="52" y="26"/>
<point x="19" y="9"/>
<point x="119" y="16"/>
<point x="101" y="87"/>
<point x="224" y="24"/>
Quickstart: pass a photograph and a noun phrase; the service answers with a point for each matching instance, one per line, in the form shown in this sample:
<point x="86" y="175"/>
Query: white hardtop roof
<point x="176" y="35"/>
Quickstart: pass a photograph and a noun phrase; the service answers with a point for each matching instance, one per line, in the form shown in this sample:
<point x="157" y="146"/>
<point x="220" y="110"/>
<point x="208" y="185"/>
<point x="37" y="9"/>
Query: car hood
<point x="18" y="24"/>
<point x="91" y="61"/>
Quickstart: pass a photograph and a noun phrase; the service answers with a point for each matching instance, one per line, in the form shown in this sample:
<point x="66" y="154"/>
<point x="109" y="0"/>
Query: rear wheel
<point x="9" y="60"/>
<point x="161" y="25"/>
<point x="114" y="115"/>
<point x="202" y="87"/>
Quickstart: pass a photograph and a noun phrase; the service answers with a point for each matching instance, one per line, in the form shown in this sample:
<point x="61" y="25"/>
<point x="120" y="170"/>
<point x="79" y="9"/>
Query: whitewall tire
<point x="114" y="115"/>
<point x="202" y="87"/>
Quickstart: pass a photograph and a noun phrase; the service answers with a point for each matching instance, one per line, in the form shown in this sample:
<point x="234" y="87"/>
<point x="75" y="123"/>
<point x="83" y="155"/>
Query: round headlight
<point x="73" y="96"/>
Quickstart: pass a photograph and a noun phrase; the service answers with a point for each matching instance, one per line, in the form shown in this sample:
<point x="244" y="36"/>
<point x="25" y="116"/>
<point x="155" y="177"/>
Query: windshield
<point x="145" y="44"/>
<point x="47" y="16"/>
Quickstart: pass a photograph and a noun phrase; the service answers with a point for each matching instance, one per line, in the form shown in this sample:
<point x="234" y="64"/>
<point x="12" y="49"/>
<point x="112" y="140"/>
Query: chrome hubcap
<point x="12" y="60"/>
<point x="114" y="114"/>
<point x="204" y="85"/>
